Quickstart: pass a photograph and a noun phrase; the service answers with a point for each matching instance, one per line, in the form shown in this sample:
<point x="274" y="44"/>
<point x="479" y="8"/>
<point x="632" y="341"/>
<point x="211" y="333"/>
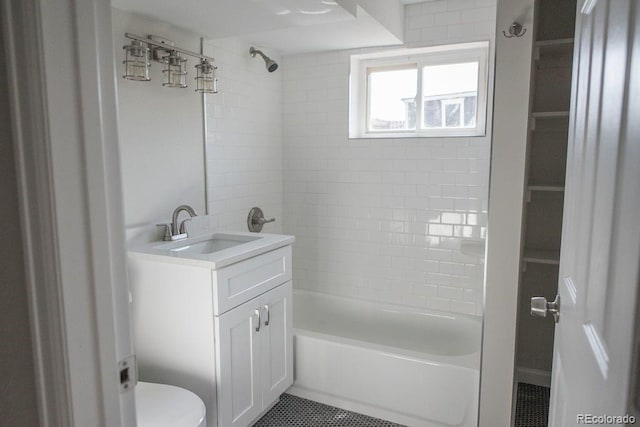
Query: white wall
<point x="160" y="133"/>
<point x="244" y="137"/>
<point x="383" y="219"/>
<point x="511" y="118"/>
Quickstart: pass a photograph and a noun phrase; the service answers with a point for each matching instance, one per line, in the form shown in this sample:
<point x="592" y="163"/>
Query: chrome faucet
<point x="174" y="231"/>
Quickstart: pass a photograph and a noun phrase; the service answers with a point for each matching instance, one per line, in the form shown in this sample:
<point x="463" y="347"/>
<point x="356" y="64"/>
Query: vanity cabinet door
<point x="239" y="390"/>
<point x="277" y="343"/>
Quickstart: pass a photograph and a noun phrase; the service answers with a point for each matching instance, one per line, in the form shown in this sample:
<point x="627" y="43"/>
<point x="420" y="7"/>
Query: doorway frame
<point x="73" y="300"/>
<point x="506" y="194"/>
<point x="62" y="97"/>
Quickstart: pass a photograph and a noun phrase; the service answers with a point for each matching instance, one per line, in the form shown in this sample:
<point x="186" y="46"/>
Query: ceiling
<point x="290" y="26"/>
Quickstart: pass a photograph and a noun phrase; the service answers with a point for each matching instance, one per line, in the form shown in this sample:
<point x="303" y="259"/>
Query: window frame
<point x="443" y="112"/>
<point x="383" y="68"/>
<point x="364" y="64"/>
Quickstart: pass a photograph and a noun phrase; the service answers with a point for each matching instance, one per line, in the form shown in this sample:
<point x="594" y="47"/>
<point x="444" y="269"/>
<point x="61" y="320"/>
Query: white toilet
<point x="162" y="405"/>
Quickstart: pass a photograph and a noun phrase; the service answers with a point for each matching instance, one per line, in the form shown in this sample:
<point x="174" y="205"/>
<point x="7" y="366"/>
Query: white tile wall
<point x="448" y="21"/>
<point x="383" y="219"/>
<point x="244" y="138"/>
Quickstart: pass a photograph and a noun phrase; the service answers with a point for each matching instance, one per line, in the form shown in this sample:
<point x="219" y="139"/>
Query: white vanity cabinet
<point x="254" y="360"/>
<point x="224" y="333"/>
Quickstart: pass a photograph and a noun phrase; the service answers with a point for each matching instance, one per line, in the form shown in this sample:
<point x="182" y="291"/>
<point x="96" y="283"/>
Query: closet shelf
<point x="549" y="114"/>
<point x="543" y="188"/>
<point x="554" y="42"/>
<point x="556" y="47"/>
<point x="541" y="256"/>
<point x="541" y="115"/>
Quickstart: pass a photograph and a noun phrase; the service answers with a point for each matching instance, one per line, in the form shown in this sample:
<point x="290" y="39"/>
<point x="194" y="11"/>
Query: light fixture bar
<point x="165" y="47"/>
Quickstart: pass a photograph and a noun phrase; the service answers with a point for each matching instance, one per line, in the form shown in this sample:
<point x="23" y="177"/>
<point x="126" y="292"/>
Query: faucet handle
<point x="167" y="231"/>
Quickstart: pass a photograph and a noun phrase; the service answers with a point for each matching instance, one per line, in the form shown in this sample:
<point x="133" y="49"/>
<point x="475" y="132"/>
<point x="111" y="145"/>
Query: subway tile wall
<point x="447" y="21"/>
<point x="244" y="159"/>
<point x="384" y="219"/>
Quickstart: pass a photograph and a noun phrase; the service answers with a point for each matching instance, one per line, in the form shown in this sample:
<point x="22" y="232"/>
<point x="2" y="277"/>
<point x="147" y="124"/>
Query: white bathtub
<point x="410" y="366"/>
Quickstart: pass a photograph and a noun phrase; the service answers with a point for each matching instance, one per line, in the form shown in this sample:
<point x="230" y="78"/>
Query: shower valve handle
<point x="263" y="221"/>
<point x="256" y="219"/>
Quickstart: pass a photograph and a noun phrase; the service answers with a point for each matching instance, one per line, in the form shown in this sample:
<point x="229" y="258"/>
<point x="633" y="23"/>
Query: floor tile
<point x="293" y="411"/>
<point x="532" y="406"/>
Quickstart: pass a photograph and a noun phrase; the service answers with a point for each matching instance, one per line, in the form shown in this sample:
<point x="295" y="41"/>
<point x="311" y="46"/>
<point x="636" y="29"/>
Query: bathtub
<point x="410" y="366"/>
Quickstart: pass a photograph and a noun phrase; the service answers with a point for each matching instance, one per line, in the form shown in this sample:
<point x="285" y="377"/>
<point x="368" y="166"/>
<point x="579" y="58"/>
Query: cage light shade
<point x="175" y="75"/>
<point x="136" y="61"/>
<point x="206" y="81"/>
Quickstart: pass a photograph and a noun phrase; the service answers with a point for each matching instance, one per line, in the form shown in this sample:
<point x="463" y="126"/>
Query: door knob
<point x="540" y="307"/>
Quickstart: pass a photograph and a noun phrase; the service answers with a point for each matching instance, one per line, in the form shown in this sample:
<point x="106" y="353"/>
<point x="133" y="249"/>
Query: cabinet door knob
<point x="266" y="310"/>
<point x="257" y="312"/>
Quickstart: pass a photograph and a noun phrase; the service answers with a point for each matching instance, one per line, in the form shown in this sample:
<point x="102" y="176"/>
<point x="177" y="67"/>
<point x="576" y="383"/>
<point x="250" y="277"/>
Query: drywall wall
<point x="160" y="134"/>
<point x="510" y="128"/>
<point x="383" y="219"/>
<point x="244" y="137"/>
<point x="18" y="406"/>
<point x="388" y="13"/>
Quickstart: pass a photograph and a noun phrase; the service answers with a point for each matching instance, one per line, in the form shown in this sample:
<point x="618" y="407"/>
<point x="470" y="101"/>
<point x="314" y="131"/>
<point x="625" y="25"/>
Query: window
<point x="427" y="92"/>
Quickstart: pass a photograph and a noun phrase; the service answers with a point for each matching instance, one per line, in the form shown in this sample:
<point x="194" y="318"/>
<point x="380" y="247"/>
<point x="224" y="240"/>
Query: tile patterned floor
<point x="532" y="410"/>
<point x="294" y="411"/>
<point x="532" y="406"/>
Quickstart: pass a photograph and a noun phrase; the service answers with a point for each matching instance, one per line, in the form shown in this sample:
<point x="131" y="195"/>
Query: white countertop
<point x="253" y="244"/>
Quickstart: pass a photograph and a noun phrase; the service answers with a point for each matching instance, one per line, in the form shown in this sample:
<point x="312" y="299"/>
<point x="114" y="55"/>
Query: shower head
<point x="269" y="63"/>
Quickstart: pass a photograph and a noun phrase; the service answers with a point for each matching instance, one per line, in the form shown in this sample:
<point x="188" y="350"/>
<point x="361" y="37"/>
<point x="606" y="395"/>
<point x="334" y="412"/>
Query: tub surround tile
<point x="244" y="138"/>
<point x="384" y="219"/>
<point x="378" y="219"/>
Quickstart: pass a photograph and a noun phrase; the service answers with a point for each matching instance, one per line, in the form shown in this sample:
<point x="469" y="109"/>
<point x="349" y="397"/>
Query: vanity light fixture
<point x="136" y="61"/>
<point x="206" y="80"/>
<point x="141" y="50"/>
<point x="175" y="75"/>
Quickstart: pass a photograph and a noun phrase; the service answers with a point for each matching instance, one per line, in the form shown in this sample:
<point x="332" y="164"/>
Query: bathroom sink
<point x="209" y="246"/>
<point x="212" y="250"/>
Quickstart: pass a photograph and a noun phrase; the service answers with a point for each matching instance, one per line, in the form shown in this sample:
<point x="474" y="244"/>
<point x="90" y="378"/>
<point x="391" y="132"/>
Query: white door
<point x="238" y="365"/>
<point x="601" y="233"/>
<point x="277" y="343"/>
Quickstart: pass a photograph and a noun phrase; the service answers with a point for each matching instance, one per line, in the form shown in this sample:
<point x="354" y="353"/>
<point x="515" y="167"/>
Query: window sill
<point x="434" y="134"/>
